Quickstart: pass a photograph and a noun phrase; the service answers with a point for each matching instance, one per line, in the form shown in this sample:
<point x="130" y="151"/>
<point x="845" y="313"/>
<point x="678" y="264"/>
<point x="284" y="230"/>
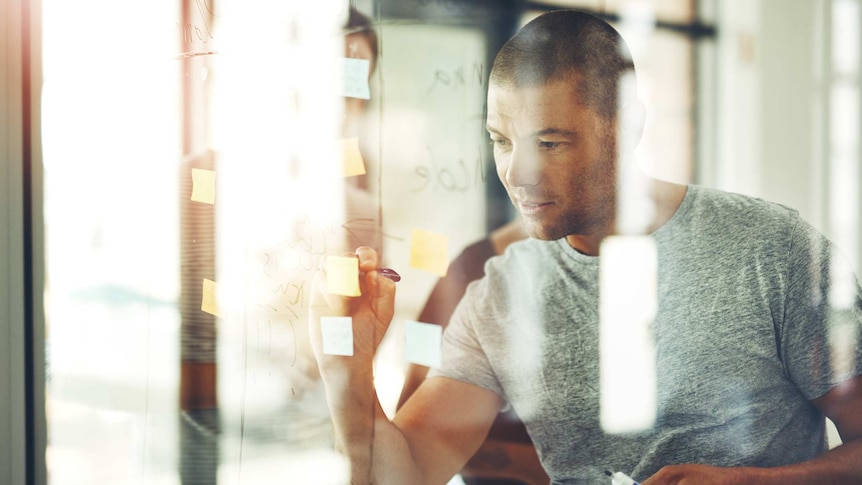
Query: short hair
<point x="567" y="44"/>
<point x="359" y="23"/>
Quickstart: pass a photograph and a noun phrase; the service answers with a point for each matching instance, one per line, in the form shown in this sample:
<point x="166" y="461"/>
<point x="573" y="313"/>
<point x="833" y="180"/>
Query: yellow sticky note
<point x="342" y="275"/>
<point x="429" y="252"/>
<point x="203" y="186"/>
<point x="209" y="301"/>
<point x="351" y="157"/>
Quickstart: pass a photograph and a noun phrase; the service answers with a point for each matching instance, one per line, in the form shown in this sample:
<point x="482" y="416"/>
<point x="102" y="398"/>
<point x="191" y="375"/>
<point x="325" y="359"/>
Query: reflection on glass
<point x="240" y="106"/>
<point x="628" y="296"/>
<point x="844" y="182"/>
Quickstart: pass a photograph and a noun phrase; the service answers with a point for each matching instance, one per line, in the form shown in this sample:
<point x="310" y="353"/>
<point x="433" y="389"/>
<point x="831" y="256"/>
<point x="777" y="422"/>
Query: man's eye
<point x="500" y="142"/>
<point x="549" y="144"/>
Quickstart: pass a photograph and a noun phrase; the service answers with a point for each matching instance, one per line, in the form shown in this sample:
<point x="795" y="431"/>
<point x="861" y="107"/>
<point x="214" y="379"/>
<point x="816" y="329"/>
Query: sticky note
<point x="422" y="343"/>
<point x="355" y="78"/>
<point x="342" y="275"/>
<point x="429" y="252"/>
<point x="337" y="335"/>
<point x="209" y="302"/>
<point x="203" y="185"/>
<point x="351" y="157"/>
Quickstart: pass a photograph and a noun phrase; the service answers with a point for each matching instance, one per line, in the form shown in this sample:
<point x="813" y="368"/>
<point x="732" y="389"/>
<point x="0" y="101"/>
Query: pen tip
<point x="609" y="473"/>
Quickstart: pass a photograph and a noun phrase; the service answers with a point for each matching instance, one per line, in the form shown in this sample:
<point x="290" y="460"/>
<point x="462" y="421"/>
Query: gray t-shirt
<point x="745" y="336"/>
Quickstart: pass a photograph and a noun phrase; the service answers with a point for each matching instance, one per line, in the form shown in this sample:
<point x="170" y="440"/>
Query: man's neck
<point x="666" y="198"/>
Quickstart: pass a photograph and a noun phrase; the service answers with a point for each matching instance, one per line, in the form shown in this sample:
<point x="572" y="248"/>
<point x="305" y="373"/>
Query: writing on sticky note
<point x="429" y="251"/>
<point x="209" y="297"/>
<point x="422" y="343"/>
<point x="342" y="275"/>
<point x="351" y="157"/>
<point x="355" y="78"/>
<point x="337" y="333"/>
<point x="203" y="185"/>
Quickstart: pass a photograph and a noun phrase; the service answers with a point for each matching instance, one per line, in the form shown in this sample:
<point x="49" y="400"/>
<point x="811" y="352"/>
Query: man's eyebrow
<point x="557" y="132"/>
<point x="543" y="132"/>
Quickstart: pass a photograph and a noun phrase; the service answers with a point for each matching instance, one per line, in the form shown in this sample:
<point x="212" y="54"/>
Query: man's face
<point x="556" y="158"/>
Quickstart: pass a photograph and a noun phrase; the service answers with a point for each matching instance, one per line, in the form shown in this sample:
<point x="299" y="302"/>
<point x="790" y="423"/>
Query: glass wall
<point x="204" y="161"/>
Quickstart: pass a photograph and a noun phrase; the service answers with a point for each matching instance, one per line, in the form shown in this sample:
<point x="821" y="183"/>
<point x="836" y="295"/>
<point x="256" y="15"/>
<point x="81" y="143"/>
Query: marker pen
<point x="620" y="478"/>
<point x="389" y="273"/>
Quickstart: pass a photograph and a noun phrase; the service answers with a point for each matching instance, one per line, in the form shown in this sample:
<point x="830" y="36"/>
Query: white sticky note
<point x="355" y="78"/>
<point x="337" y="335"/>
<point x="203" y="185"/>
<point x="422" y="343"/>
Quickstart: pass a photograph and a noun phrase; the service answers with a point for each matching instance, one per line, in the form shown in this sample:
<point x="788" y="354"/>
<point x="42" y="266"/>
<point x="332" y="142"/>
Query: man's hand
<point x="349" y="380"/>
<point x="702" y="475"/>
<point x="371" y="312"/>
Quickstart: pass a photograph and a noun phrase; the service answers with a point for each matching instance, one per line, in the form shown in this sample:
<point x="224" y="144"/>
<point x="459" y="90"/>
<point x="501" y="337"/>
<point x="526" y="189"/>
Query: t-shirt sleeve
<point x="463" y="357"/>
<point x="820" y="340"/>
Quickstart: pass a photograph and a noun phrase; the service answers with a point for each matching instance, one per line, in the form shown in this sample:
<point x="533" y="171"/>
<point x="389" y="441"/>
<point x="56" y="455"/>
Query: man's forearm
<point x="350" y="397"/>
<point x="503" y="459"/>
<point x="841" y="465"/>
<point x="376" y="450"/>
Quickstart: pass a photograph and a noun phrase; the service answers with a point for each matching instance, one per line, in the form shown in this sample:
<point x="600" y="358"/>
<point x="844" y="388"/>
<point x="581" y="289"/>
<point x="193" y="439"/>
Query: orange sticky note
<point x="209" y="301"/>
<point x="203" y="185"/>
<point x="429" y="251"/>
<point x="342" y="275"/>
<point x="351" y="157"/>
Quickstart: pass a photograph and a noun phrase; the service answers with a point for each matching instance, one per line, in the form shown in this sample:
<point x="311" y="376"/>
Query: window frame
<point x="22" y="384"/>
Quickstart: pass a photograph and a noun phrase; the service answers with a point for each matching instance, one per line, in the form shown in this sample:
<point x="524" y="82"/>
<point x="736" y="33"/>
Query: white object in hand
<point x="620" y="478"/>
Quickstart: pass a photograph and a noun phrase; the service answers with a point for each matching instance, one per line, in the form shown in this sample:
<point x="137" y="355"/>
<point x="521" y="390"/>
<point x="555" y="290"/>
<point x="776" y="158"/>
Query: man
<point x="747" y="368"/>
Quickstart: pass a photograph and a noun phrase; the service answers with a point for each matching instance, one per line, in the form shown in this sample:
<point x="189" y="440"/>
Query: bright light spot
<point x="628" y="305"/>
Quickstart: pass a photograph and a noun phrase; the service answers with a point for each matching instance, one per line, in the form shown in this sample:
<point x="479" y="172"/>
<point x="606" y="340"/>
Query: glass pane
<point x="845" y="36"/>
<point x="110" y="149"/>
<point x="196" y="183"/>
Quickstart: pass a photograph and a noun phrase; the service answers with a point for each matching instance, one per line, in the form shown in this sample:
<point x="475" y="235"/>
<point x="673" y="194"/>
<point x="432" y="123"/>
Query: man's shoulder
<point x="715" y="206"/>
<point x="737" y="200"/>
<point x="735" y="225"/>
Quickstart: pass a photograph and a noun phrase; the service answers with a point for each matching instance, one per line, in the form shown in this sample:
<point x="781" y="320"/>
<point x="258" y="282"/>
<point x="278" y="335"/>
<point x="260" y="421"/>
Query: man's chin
<point x="541" y="233"/>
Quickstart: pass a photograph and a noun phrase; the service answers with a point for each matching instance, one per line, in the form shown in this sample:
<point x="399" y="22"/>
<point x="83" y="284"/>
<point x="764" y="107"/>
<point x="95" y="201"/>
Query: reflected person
<point x="360" y="225"/>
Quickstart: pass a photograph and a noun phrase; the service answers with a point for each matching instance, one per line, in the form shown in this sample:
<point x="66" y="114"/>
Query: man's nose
<point x="523" y="169"/>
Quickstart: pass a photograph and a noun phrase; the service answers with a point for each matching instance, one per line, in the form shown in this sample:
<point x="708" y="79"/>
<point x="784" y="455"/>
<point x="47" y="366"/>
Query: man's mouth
<point x="533" y="207"/>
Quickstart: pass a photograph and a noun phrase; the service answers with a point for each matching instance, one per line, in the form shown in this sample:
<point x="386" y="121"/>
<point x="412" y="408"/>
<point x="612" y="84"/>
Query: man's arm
<point x="443" y="424"/>
<point x="498" y="459"/>
<point x="494" y="458"/>
<point x="432" y="437"/>
<point x="841" y="465"/>
<point x="428" y="441"/>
